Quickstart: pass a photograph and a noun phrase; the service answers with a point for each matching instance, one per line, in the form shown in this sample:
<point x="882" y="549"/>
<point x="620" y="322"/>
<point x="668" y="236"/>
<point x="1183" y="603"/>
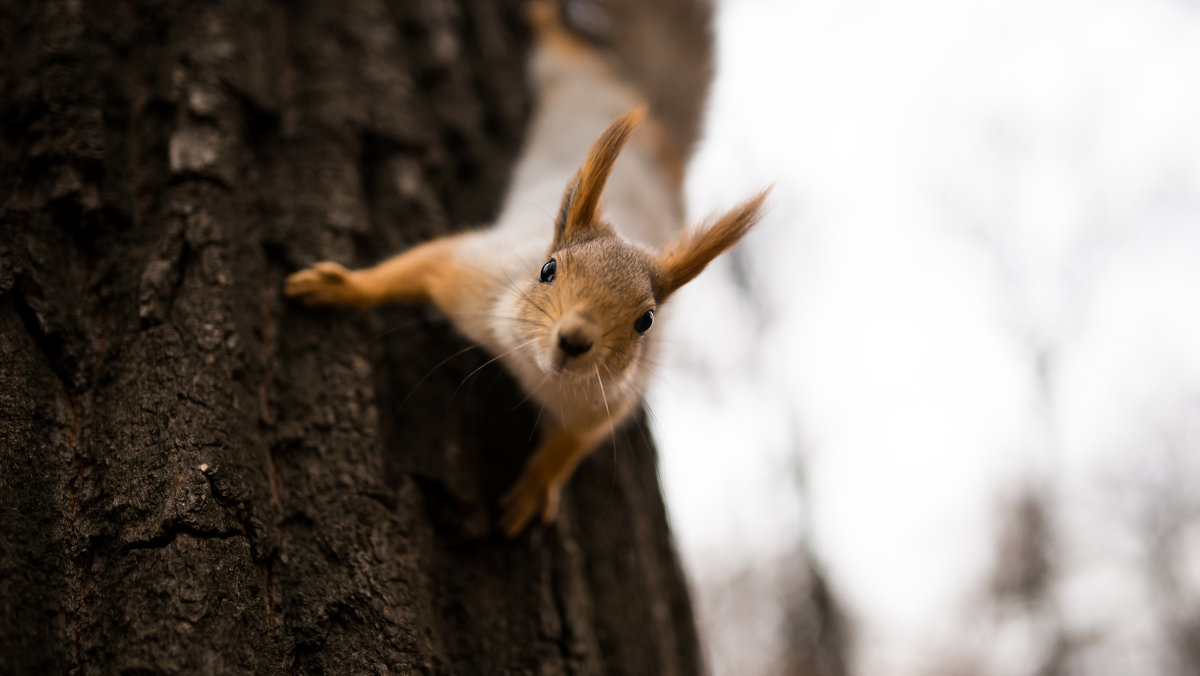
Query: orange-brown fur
<point x="424" y="273"/>
<point x="546" y="21"/>
<point x="686" y="257"/>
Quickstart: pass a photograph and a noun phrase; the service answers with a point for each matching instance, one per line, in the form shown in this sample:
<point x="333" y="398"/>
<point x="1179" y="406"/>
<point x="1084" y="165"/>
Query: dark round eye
<point x="548" y="271"/>
<point x="644" y="322"/>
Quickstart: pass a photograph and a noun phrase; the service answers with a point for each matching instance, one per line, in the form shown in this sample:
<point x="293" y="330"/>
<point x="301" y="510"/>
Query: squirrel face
<point x="588" y="308"/>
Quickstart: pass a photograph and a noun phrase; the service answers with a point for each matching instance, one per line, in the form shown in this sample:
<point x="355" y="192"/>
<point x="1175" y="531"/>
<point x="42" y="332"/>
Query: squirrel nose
<point x="574" y="343"/>
<point x="577" y="333"/>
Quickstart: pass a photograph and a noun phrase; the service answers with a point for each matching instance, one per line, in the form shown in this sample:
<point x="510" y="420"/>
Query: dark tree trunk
<point x="198" y="477"/>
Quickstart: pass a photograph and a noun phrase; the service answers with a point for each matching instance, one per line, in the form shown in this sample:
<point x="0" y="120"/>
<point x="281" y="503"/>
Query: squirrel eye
<point x="644" y="322"/>
<point x="548" y="271"/>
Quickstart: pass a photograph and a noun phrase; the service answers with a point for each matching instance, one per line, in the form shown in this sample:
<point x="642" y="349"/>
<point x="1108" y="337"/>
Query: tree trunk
<point x="199" y="477"/>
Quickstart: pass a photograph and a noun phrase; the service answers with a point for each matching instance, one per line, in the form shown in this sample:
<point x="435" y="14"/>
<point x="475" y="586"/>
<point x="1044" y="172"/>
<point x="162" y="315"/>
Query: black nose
<point x="573" y="345"/>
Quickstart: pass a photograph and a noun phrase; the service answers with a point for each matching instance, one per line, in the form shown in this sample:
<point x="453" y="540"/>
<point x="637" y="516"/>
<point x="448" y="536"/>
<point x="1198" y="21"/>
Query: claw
<point x="530" y="497"/>
<point x="332" y="272"/>
<point x="325" y="283"/>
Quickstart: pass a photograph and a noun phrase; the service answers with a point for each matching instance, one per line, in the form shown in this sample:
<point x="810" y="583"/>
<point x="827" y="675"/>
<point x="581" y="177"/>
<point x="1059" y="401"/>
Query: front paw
<point x="533" y="495"/>
<point x="323" y="284"/>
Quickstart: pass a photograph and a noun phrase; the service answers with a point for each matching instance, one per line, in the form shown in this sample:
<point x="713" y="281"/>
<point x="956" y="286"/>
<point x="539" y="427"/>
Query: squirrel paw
<point x="323" y="284"/>
<point x="533" y="495"/>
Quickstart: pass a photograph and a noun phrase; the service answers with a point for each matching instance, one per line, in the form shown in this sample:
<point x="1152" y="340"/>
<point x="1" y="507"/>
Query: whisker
<point x="540" y="309"/>
<point x="535" y="205"/>
<point x="651" y="416"/>
<point x="612" y="435"/>
<point x="562" y="411"/>
<point x="536" y="422"/>
<point x="614" y="330"/>
<point x="607" y="410"/>
<point x="653" y="362"/>
<point x="641" y="428"/>
<point x="493" y="359"/>
<point x="442" y="319"/>
<point x="431" y="371"/>
<point x="662" y="379"/>
<point x="489" y="273"/>
<point x="530" y="394"/>
<point x="398" y="327"/>
<point x="651" y="420"/>
<point x="496" y="316"/>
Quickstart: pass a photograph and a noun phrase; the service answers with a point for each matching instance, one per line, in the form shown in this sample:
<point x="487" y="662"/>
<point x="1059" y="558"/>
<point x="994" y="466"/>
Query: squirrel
<point x="565" y="302"/>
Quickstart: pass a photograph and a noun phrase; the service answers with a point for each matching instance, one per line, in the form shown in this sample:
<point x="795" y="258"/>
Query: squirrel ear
<point x="695" y="248"/>
<point x="581" y="202"/>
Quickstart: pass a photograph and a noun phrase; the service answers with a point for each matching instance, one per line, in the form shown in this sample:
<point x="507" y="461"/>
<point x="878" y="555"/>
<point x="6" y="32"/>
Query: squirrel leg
<point x="410" y="277"/>
<point x="536" y="492"/>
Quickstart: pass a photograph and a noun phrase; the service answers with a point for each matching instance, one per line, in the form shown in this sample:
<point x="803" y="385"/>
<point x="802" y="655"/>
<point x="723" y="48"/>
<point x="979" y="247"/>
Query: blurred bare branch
<point x="817" y="633"/>
<point x="1023" y="571"/>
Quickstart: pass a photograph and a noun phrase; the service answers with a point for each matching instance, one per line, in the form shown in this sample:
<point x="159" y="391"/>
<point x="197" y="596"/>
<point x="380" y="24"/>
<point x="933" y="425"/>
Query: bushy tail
<point x="663" y="47"/>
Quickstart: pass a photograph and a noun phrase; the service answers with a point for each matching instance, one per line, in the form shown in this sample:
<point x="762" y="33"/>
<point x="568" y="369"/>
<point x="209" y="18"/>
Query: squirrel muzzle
<point x="575" y="335"/>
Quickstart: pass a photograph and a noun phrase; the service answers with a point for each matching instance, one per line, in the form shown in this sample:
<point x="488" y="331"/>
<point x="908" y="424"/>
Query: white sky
<point x="959" y="184"/>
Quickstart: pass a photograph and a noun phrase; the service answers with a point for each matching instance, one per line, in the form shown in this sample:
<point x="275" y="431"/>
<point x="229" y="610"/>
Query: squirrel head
<point x="588" y="309"/>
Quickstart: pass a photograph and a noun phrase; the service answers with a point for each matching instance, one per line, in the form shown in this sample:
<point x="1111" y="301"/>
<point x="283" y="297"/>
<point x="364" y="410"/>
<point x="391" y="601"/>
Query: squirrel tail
<point x="664" y="48"/>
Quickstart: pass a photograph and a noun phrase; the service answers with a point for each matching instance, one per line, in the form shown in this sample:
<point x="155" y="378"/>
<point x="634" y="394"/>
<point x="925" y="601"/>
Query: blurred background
<point x="941" y="413"/>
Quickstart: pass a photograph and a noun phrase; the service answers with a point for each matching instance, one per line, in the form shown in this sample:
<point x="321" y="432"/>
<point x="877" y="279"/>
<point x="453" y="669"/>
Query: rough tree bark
<point x="198" y="477"/>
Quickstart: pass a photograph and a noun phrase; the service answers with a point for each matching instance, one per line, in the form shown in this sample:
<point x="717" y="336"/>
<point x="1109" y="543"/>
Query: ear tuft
<point x="581" y="202"/>
<point x="695" y="248"/>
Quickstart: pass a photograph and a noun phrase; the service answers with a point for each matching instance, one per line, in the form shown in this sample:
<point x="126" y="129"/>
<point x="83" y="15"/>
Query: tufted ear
<point x="581" y="202"/>
<point x="695" y="248"/>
